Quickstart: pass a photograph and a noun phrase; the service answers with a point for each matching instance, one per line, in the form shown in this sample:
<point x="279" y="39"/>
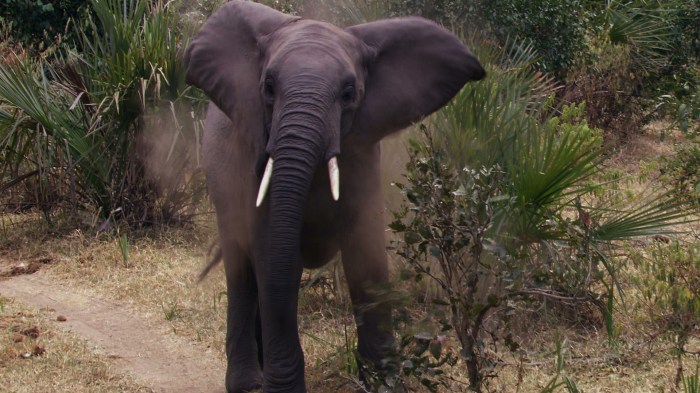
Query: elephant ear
<point x="417" y="68"/>
<point x="224" y="57"/>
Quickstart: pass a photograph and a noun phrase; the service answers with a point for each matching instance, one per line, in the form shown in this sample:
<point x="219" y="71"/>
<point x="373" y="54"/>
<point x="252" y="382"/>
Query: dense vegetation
<point x="102" y="123"/>
<point x="508" y="203"/>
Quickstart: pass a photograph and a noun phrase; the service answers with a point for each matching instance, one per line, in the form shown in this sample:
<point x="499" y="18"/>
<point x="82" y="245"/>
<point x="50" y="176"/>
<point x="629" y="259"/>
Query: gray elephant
<point x="290" y="98"/>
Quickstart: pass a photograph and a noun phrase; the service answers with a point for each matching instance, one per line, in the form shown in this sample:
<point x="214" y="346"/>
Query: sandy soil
<point x="140" y="347"/>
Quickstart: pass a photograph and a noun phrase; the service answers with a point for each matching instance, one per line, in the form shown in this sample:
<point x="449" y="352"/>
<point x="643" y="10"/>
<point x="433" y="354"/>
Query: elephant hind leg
<point x="243" y="344"/>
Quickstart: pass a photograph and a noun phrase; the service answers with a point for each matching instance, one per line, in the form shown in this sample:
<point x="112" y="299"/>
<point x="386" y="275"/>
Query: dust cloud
<point x="169" y="148"/>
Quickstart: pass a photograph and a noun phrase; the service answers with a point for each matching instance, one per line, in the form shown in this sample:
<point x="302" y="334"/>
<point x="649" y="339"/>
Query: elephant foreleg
<point x="242" y="337"/>
<point x="283" y="357"/>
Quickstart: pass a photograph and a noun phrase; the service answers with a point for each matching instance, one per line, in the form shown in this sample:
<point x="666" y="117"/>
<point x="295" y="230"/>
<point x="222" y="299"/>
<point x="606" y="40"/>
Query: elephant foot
<point x="244" y="382"/>
<point x="245" y="388"/>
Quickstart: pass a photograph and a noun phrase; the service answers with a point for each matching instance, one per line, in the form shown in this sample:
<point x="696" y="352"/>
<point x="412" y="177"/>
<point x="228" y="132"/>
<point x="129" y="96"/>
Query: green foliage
<point x="679" y="88"/>
<point x="646" y="27"/>
<point x="555" y="383"/>
<point x="669" y="281"/>
<point x="556" y="29"/>
<point x="501" y="208"/>
<point x="662" y="42"/>
<point x="111" y="125"/>
<point x="610" y="89"/>
<point x="417" y="360"/>
<point x="682" y="171"/>
<point x="171" y="310"/>
<point x="38" y="22"/>
<point x="449" y="236"/>
<point x="691" y="383"/>
<point x="686" y="32"/>
<point x="134" y="48"/>
<point x="482" y="125"/>
<point x="494" y="123"/>
<point x="443" y="239"/>
<point x="124" y="247"/>
<point x="679" y="101"/>
<point x="446" y="11"/>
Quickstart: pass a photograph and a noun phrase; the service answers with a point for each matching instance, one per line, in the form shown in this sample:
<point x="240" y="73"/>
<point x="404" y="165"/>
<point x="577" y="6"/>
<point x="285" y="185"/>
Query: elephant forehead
<point x="313" y="40"/>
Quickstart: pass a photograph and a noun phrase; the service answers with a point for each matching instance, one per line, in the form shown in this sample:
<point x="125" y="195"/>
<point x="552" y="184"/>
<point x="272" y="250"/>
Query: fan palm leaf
<point x="549" y="159"/>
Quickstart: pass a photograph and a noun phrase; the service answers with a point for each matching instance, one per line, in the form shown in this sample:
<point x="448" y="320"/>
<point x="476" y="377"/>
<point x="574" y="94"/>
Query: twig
<point x="549" y="294"/>
<point x="18" y="179"/>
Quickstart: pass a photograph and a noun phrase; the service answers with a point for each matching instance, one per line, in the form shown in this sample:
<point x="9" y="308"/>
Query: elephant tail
<point x="215" y="259"/>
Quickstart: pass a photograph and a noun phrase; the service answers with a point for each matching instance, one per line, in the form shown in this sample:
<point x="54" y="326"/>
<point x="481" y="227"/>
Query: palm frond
<point x="482" y="124"/>
<point x="644" y="27"/>
<point x="653" y="214"/>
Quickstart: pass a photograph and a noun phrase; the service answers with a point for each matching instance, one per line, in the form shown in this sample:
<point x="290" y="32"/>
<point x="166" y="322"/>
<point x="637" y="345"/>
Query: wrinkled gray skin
<point x="302" y="91"/>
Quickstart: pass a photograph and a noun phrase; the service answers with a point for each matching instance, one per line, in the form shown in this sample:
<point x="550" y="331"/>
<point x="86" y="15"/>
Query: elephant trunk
<point x="302" y="136"/>
<point x="296" y="158"/>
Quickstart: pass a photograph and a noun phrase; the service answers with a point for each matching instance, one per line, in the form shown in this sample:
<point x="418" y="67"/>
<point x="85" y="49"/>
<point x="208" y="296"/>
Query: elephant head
<point x="314" y="83"/>
<point x="303" y="93"/>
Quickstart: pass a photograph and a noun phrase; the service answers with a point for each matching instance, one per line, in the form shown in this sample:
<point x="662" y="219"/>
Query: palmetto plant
<point x="89" y="120"/>
<point x="502" y="204"/>
<point x="643" y="25"/>
<point x="549" y="157"/>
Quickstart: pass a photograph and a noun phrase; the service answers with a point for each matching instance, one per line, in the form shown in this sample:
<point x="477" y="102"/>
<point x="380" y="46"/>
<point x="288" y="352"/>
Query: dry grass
<point x="37" y="357"/>
<point x="643" y="152"/>
<point x="159" y="280"/>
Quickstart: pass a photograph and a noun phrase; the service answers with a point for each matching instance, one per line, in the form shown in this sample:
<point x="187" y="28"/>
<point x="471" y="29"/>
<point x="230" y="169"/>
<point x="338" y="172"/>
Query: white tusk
<point x="265" y="182"/>
<point x="334" y="174"/>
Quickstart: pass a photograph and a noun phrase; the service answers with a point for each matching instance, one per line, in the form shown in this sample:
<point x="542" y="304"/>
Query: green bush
<point x="110" y="126"/>
<point x="38" y="22"/>
<point x="556" y="29"/>
<point x="611" y="90"/>
<point x="669" y="282"/>
<point x="686" y="33"/>
<point x="446" y="11"/>
<point x="503" y="210"/>
<point x="682" y="171"/>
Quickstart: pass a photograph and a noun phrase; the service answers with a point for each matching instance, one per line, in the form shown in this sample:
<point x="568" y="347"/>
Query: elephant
<point x="290" y="97"/>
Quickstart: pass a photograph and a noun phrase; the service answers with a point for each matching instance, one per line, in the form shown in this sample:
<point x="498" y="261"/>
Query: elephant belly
<point x="320" y="234"/>
<point x="317" y="249"/>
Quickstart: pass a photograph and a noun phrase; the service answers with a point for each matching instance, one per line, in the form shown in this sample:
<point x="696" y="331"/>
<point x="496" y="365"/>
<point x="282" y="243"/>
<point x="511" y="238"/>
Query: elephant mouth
<point x="333" y="173"/>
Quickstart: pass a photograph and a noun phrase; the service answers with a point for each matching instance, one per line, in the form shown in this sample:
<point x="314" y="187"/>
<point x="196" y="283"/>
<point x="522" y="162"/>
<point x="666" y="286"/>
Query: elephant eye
<point x="348" y="94"/>
<point x="269" y="86"/>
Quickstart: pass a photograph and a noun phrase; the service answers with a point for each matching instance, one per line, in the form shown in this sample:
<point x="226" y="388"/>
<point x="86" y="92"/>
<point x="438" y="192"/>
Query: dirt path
<point x="140" y="347"/>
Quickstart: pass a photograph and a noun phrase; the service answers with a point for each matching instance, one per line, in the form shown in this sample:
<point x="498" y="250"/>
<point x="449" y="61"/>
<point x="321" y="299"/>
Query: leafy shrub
<point x="669" y="280"/>
<point x="446" y="11"/>
<point x="679" y="101"/>
<point x="106" y="122"/>
<point x="501" y="209"/>
<point x="415" y="365"/>
<point x="630" y="65"/>
<point x="450" y="235"/>
<point x="611" y="92"/>
<point x="682" y="170"/>
<point x="686" y="32"/>
<point x="556" y="29"/>
<point x="38" y="22"/>
<point x="679" y="86"/>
